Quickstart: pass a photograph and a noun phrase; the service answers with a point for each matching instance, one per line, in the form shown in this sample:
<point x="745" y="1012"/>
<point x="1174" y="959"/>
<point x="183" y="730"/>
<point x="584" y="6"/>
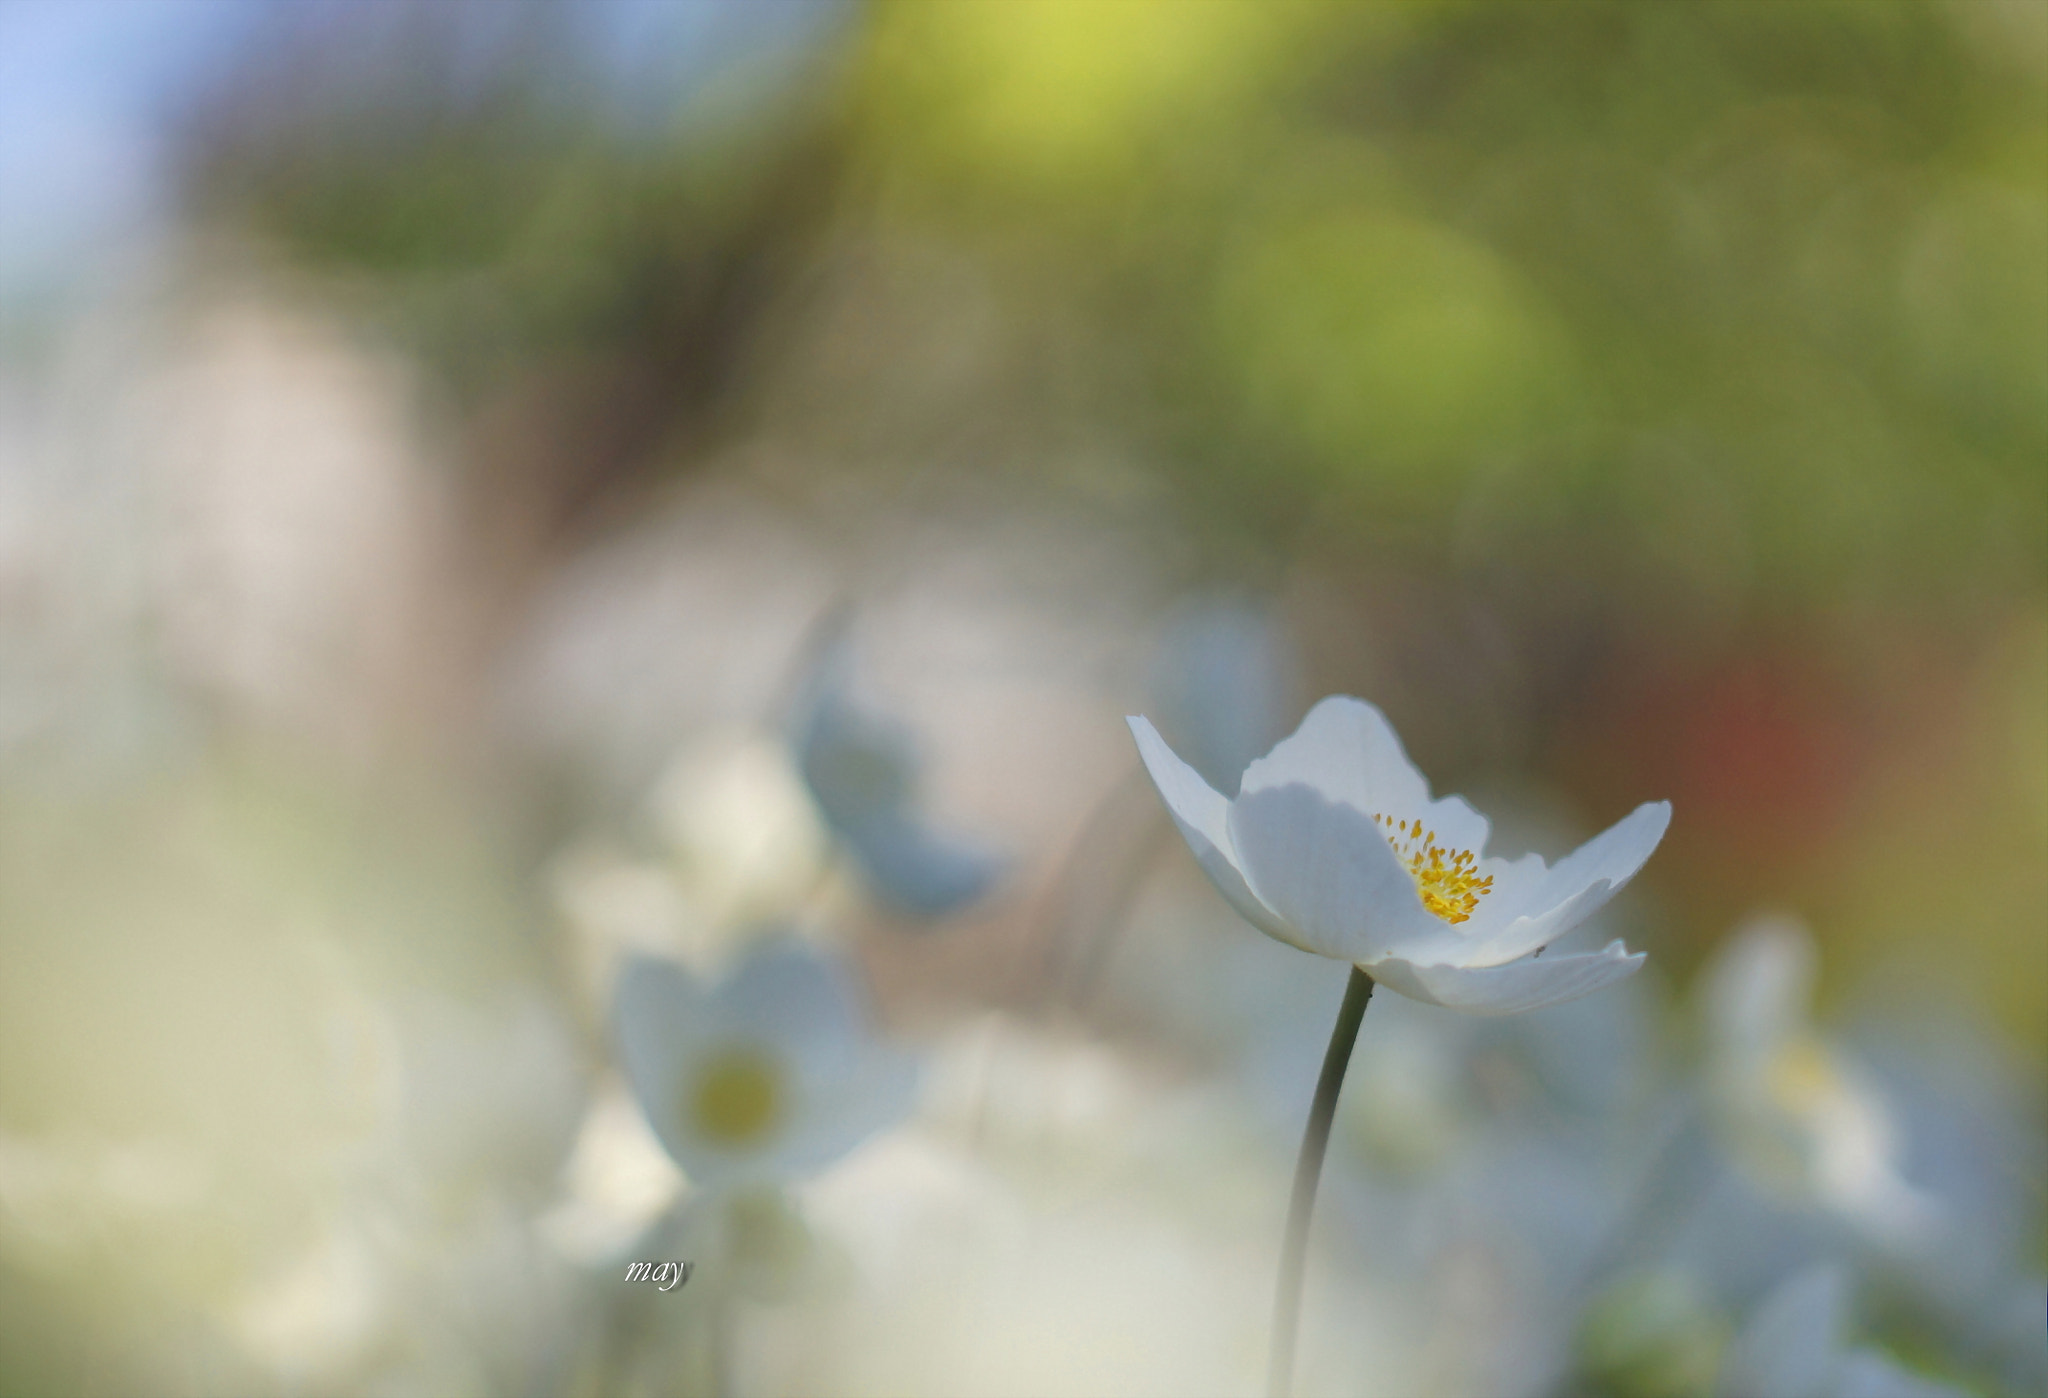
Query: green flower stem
<point x="1308" y="1170"/>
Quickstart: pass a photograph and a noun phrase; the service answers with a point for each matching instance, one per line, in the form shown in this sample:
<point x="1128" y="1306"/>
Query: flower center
<point x="736" y="1098"/>
<point x="1800" y="1078"/>
<point x="1448" y="880"/>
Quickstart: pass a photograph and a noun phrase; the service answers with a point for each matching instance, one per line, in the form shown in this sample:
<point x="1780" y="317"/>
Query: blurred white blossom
<point x="1799" y="1114"/>
<point x="770" y="1074"/>
<point x="746" y="843"/>
<point x="862" y="769"/>
<point x="618" y="1181"/>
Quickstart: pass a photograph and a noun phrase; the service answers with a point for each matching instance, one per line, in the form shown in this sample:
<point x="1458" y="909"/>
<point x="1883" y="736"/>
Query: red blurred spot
<point x="1761" y="754"/>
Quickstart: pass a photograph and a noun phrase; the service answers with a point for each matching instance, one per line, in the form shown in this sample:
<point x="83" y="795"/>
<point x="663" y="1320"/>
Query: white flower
<point x="862" y="769"/>
<point x="770" y="1075"/>
<point x="1333" y="845"/>
<point x="747" y="844"/>
<point x="1797" y="1113"/>
<point x="1793" y="1348"/>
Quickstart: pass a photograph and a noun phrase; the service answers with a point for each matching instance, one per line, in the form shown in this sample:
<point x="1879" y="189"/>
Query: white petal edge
<point x="1614" y="854"/>
<point x="1326" y="869"/>
<point x="1530" y="934"/>
<point x="1506" y="990"/>
<point x="1347" y="750"/>
<point x="1203" y="816"/>
<point x="1580" y="884"/>
<point x="658" y="1012"/>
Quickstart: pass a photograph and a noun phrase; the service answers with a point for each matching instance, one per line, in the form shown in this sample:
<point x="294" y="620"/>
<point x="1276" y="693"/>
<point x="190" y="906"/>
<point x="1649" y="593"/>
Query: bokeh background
<point x="436" y="434"/>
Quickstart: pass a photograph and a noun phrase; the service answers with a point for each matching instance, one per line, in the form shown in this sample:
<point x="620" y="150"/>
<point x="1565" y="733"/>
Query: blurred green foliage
<point x="1362" y="259"/>
<point x="1797" y="251"/>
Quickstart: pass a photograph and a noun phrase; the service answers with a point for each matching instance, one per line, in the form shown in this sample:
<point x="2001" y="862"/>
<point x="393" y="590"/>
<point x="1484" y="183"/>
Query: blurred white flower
<point x="862" y="769"/>
<point x="770" y="1075"/>
<point x="1797" y="1114"/>
<point x="1972" y="1145"/>
<point x="618" y="1182"/>
<point x="613" y="900"/>
<point x="1333" y="845"/>
<point x="747" y="845"/>
<point x="1793" y="1348"/>
<point x="742" y="851"/>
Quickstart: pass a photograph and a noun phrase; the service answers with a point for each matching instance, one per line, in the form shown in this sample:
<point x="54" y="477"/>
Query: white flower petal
<point x="1580" y="884"/>
<point x="862" y="771"/>
<point x="1614" y="854"/>
<point x="787" y="996"/>
<point x="919" y="870"/>
<point x="856" y="763"/>
<point x="1502" y="990"/>
<point x="1204" y="820"/>
<point x="1516" y="883"/>
<point x="1347" y="750"/>
<point x="1301" y="855"/>
<point x="874" y="1091"/>
<point x="1324" y="867"/>
<point x="1532" y="933"/>
<point x="658" y="1012"/>
<point x="797" y="1013"/>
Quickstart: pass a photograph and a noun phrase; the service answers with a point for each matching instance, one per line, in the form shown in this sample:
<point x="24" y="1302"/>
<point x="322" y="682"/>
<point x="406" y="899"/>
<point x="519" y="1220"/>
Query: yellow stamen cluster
<point x="736" y="1097"/>
<point x="1448" y="880"/>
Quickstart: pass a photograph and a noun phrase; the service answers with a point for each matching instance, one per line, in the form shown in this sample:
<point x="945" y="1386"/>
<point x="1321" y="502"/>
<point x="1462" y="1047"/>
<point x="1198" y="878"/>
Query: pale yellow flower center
<point x="1801" y="1077"/>
<point x="736" y="1097"/>
<point x="1447" y="879"/>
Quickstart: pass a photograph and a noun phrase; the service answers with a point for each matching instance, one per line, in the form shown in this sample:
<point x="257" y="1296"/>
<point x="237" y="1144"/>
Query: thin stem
<point x="1308" y="1170"/>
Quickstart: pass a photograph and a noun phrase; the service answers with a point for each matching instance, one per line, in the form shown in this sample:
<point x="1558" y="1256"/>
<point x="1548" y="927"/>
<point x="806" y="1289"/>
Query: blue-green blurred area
<point x="440" y="438"/>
